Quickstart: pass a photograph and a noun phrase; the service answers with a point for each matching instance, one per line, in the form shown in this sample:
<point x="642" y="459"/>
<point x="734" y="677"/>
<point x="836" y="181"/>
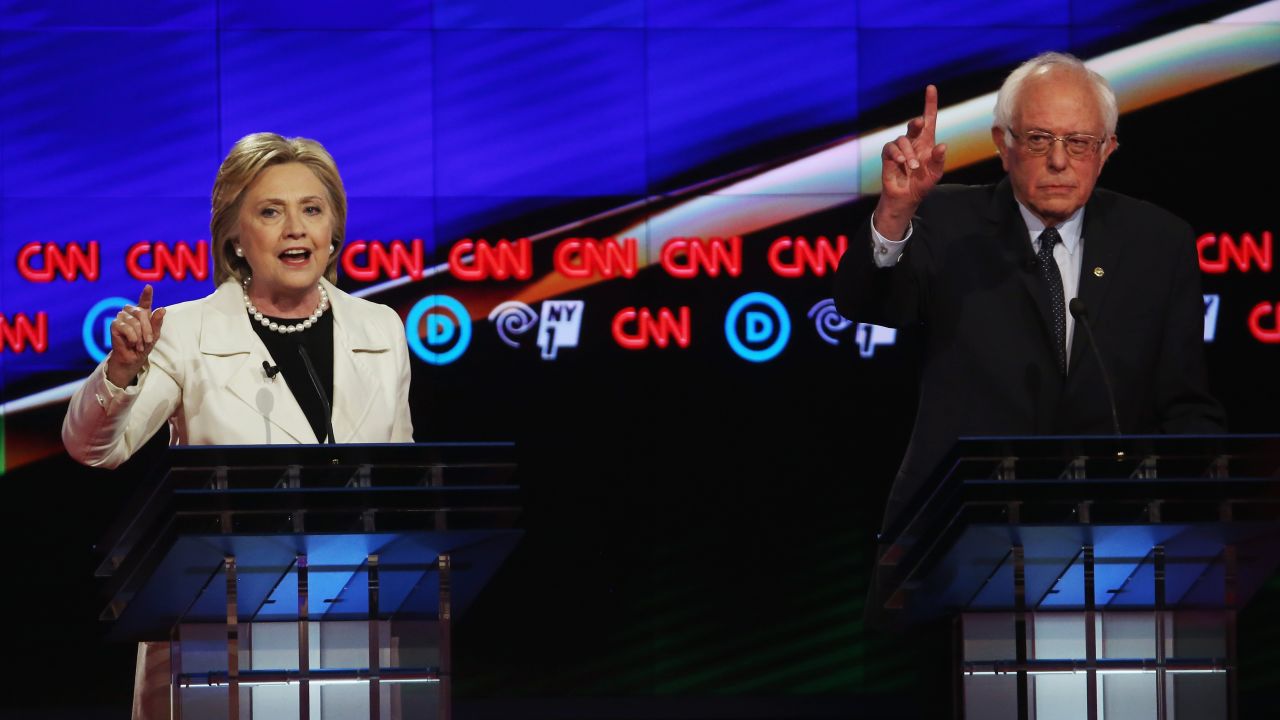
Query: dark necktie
<point x="1053" y="283"/>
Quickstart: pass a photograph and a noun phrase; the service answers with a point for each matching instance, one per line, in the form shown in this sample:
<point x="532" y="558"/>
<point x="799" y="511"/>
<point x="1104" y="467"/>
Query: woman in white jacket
<point x="232" y="368"/>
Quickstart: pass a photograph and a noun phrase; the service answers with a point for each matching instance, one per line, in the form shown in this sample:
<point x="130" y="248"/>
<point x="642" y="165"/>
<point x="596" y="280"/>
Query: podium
<point x="308" y="581"/>
<point x="1089" y="577"/>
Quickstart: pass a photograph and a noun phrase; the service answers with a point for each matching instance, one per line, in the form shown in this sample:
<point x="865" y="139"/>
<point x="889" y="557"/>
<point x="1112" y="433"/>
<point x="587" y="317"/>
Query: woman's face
<point x="286" y="227"/>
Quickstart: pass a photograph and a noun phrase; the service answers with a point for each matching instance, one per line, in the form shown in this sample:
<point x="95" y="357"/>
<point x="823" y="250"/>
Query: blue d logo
<point x="765" y="318"/>
<point x="445" y="319"/>
<point x="99" y="320"/>
<point x="759" y="327"/>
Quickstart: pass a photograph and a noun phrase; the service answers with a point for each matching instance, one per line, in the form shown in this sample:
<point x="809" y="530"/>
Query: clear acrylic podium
<point x="308" y="581"/>
<point x="1089" y="577"/>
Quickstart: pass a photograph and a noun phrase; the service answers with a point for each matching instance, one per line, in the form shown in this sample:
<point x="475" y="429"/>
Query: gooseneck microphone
<point x="271" y="370"/>
<point x="324" y="400"/>
<point x="1081" y="314"/>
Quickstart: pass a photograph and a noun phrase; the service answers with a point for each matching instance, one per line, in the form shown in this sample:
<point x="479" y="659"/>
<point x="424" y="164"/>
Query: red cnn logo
<point x="1260" y="311"/>
<point x="382" y="260"/>
<point x="647" y="329"/>
<point x="1243" y="253"/>
<point x="70" y="263"/>
<point x="15" y="336"/>
<point x="685" y="257"/>
<point x="817" y="257"/>
<point x="176" y="263"/>
<point x="499" y="261"/>
<point x="588" y="257"/>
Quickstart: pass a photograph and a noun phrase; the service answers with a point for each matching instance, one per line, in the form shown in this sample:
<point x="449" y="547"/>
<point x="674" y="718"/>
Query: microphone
<point x="1081" y="314"/>
<point x="271" y="370"/>
<point x="319" y="386"/>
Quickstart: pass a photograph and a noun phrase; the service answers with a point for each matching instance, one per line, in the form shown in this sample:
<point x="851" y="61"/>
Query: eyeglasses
<point x="1039" y="142"/>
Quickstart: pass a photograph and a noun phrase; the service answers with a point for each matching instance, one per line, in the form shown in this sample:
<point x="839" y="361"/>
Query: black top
<point x="283" y="348"/>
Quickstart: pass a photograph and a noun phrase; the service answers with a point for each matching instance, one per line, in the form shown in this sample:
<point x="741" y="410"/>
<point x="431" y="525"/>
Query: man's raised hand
<point x="911" y="166"/>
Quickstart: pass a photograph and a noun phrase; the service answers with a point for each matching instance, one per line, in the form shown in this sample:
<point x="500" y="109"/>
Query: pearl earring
<point x="333" y="247"/>
<point x="239" y="251"/>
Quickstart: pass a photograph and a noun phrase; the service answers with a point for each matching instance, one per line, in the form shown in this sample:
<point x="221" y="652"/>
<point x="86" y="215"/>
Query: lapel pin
<point x="1098" y="272"/>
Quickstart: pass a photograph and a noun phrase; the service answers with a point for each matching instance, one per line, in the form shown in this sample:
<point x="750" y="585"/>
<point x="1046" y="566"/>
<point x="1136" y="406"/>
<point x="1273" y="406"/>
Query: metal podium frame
<point x="1014" y="529"/>
<point x="232" y="535"/>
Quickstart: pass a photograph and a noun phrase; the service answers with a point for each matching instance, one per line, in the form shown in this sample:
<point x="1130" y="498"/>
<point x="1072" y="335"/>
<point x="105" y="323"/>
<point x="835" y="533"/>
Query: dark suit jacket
<point x="968" y="278"/>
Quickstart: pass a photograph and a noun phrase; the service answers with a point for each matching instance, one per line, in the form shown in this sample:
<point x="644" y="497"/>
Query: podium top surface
<point x="328" y="506"/>
<point x="384" y="456"/>
<point x="1120" y="497"/>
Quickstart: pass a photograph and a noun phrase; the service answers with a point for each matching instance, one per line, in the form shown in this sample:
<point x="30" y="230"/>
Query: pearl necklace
<point x="274" y="326"/>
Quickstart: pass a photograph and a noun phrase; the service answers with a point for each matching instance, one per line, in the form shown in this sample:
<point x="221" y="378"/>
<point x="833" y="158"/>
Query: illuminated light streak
<point x="1143" y="74"/>
<point x="60" y="393"/>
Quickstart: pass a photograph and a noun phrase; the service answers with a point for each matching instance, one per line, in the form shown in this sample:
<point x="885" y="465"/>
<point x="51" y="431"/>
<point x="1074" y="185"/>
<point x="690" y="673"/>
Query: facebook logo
<point x="559" y="326"/>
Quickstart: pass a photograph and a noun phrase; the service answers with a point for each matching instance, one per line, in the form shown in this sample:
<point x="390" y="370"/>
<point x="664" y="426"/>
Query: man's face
<point x="1054" y="185"/>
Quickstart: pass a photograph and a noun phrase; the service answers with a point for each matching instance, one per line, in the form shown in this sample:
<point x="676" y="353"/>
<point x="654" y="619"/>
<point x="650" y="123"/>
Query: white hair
<point x="1007" y="98"/>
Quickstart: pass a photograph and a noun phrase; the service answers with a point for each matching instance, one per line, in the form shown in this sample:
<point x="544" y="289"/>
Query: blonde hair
<point x="248" y="157"/>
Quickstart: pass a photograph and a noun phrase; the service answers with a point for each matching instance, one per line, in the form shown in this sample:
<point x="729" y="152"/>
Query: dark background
<point x="698" y="528"/>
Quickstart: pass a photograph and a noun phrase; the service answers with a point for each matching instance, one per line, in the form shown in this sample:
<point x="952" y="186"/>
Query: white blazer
<point x="205" y="377"/>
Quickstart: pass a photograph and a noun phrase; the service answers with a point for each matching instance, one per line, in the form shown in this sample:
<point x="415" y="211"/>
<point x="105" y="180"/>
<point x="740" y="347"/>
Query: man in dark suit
<point x="988" y="274"/>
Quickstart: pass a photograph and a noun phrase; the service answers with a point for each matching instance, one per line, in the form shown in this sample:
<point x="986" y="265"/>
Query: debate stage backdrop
<point x="610" y="227"/>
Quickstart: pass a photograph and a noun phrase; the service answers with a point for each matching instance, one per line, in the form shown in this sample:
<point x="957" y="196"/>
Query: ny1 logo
<point x="831" y="327"/>
<point x="559" y="326"/>
<point x="438" y="329"/>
